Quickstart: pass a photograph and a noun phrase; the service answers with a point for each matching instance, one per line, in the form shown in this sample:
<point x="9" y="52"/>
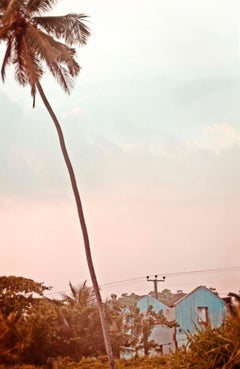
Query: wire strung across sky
<point x="172" y="274"/>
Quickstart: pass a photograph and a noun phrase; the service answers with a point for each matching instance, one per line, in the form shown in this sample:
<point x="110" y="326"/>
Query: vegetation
<point x="32" y="42"/>
<point x="18" y="294"/>
<point x="38" y="330"/>
<point x="101" y="363"/>
<point x="67" y="334"/>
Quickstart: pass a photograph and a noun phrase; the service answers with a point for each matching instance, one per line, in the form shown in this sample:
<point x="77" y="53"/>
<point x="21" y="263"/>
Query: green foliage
<point x="212" y="348"/>
<point x="102" y="363"/>
<point x="38" y="328"/>
<point x="18" y="294"/>
<point x="11" y="339"/>
<point x="81" y="323"/>
<point x="43" y="332"/>
<point x="139" y="326"/>
<point x="115" y="314"/>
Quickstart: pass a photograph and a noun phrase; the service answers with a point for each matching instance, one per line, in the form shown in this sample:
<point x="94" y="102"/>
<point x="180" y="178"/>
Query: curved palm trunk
<point x="83" y="227"/>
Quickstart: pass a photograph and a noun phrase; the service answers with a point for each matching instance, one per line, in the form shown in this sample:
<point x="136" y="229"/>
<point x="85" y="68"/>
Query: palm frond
<point x="52" y="51"/>
<point x="11" y="8"/>
<point x="73" y="290"/>
<point x="32" y="41"/>
<point x="4" y="33"/>
<point x="27" y="66"/>
<point x="70" y="28"/>
<point x="18" y="60"/>
<point x="63" y="77"/>
<point x="4" y="4"/>
<point x="33" y="69"/>
<point x="7" y="58"/>
<point x="40" y="6"/>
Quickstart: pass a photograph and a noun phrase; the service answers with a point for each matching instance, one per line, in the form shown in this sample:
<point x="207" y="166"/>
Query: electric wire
<point x="137" y="280"/>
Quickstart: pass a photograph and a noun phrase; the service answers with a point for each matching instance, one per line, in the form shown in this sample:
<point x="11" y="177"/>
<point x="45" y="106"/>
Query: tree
<point x="80" y="296"/>
<point x="11" y="338"/>
<point x="115" y="313"/>
<point x="43" y="333"/>
<point x="18" y="294"/>
<point x="139" y="326"/>
<point x="81" y="324"/>
<point x="33" y="41"/>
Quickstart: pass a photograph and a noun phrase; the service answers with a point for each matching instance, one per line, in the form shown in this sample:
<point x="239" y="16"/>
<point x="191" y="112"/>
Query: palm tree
<point x="33" y="41"/>
<point x="81" y="295"/>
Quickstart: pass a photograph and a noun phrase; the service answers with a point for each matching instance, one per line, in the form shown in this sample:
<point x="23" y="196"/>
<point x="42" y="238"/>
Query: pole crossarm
<point x="155" y="282"/>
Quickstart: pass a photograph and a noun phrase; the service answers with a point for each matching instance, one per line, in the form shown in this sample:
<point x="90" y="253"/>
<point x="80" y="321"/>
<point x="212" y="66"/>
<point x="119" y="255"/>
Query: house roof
<point x="171" y="300"/>
<point x="193" y="291"/>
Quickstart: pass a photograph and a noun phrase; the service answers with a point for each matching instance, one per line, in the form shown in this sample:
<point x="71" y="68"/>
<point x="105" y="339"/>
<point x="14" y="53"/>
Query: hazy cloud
<point x="217" y="137"/>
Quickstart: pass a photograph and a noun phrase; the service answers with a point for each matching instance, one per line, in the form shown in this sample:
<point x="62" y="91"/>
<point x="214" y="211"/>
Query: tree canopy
<point x="17" y="294"/>
<point x="34" y="41"/>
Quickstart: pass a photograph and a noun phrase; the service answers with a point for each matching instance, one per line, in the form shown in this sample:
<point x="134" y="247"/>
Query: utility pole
<point x="155" y="282"/>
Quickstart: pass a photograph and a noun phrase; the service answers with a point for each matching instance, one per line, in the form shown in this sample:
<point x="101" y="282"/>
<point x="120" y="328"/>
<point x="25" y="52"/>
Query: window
<point x="202" y="315"/>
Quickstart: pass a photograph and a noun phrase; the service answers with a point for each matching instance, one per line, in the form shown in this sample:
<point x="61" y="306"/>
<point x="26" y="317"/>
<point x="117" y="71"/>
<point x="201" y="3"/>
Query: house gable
<point x="200" y="307"/>
<point x="146" y="301"/>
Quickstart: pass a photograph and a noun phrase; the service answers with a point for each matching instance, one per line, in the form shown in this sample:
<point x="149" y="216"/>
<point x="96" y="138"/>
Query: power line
<point x="229" y="269"/>
<point x="125" y="281"/>
<point x="172" y="274"/>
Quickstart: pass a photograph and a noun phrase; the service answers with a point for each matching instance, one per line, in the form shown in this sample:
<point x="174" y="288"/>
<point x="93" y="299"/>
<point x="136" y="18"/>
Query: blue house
<point x="146" y="301"/>
<point x="199" y="308"/>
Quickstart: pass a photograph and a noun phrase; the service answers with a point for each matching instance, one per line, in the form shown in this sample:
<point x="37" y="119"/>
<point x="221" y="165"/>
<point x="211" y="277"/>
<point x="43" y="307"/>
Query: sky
<point x="153" y="130"/>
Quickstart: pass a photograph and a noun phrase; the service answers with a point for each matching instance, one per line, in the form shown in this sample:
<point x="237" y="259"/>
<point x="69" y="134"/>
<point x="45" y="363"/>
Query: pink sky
<point x="153" y="129"/>
<point x="129" y="239"/>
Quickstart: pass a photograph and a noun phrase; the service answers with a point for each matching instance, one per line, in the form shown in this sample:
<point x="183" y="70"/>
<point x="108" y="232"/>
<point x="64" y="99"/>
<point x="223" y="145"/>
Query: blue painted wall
<point x="144" y="303"/>
<point x="186" y="312"/>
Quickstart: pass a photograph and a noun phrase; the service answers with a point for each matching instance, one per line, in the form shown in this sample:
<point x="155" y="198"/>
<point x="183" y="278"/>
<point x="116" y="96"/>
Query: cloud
<point x="217" y="138"/>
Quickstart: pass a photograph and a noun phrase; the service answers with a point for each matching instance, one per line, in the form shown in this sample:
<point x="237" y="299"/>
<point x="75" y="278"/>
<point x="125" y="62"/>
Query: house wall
<point x="146" y="301"/>
<point x="186" y="312"/>
<point x="163" y="336"/>
<point x="169" y="313"/>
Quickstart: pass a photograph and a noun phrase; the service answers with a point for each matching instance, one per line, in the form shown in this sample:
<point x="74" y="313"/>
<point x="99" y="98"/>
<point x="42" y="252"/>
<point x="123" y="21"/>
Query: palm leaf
<point x="73" y="290"/>
<point x="18" y="60"/>
<point x="70" y="28"/>
<point x="27" y="66"/>
<point x="63" y="77"/>
<point x="4" y="4"/>
<point x="7" y="58"/>
<point x="11" y="8"/>
<point x="4" y="33"/>
<point x="40" y="43"/>
<point x="33" y="68"/>
<point x="40" y="6"/>
<point x="52" y="51"/>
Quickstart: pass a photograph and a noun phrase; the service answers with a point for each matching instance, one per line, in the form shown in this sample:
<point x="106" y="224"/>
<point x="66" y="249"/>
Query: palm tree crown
<point x="34" y="40"/>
